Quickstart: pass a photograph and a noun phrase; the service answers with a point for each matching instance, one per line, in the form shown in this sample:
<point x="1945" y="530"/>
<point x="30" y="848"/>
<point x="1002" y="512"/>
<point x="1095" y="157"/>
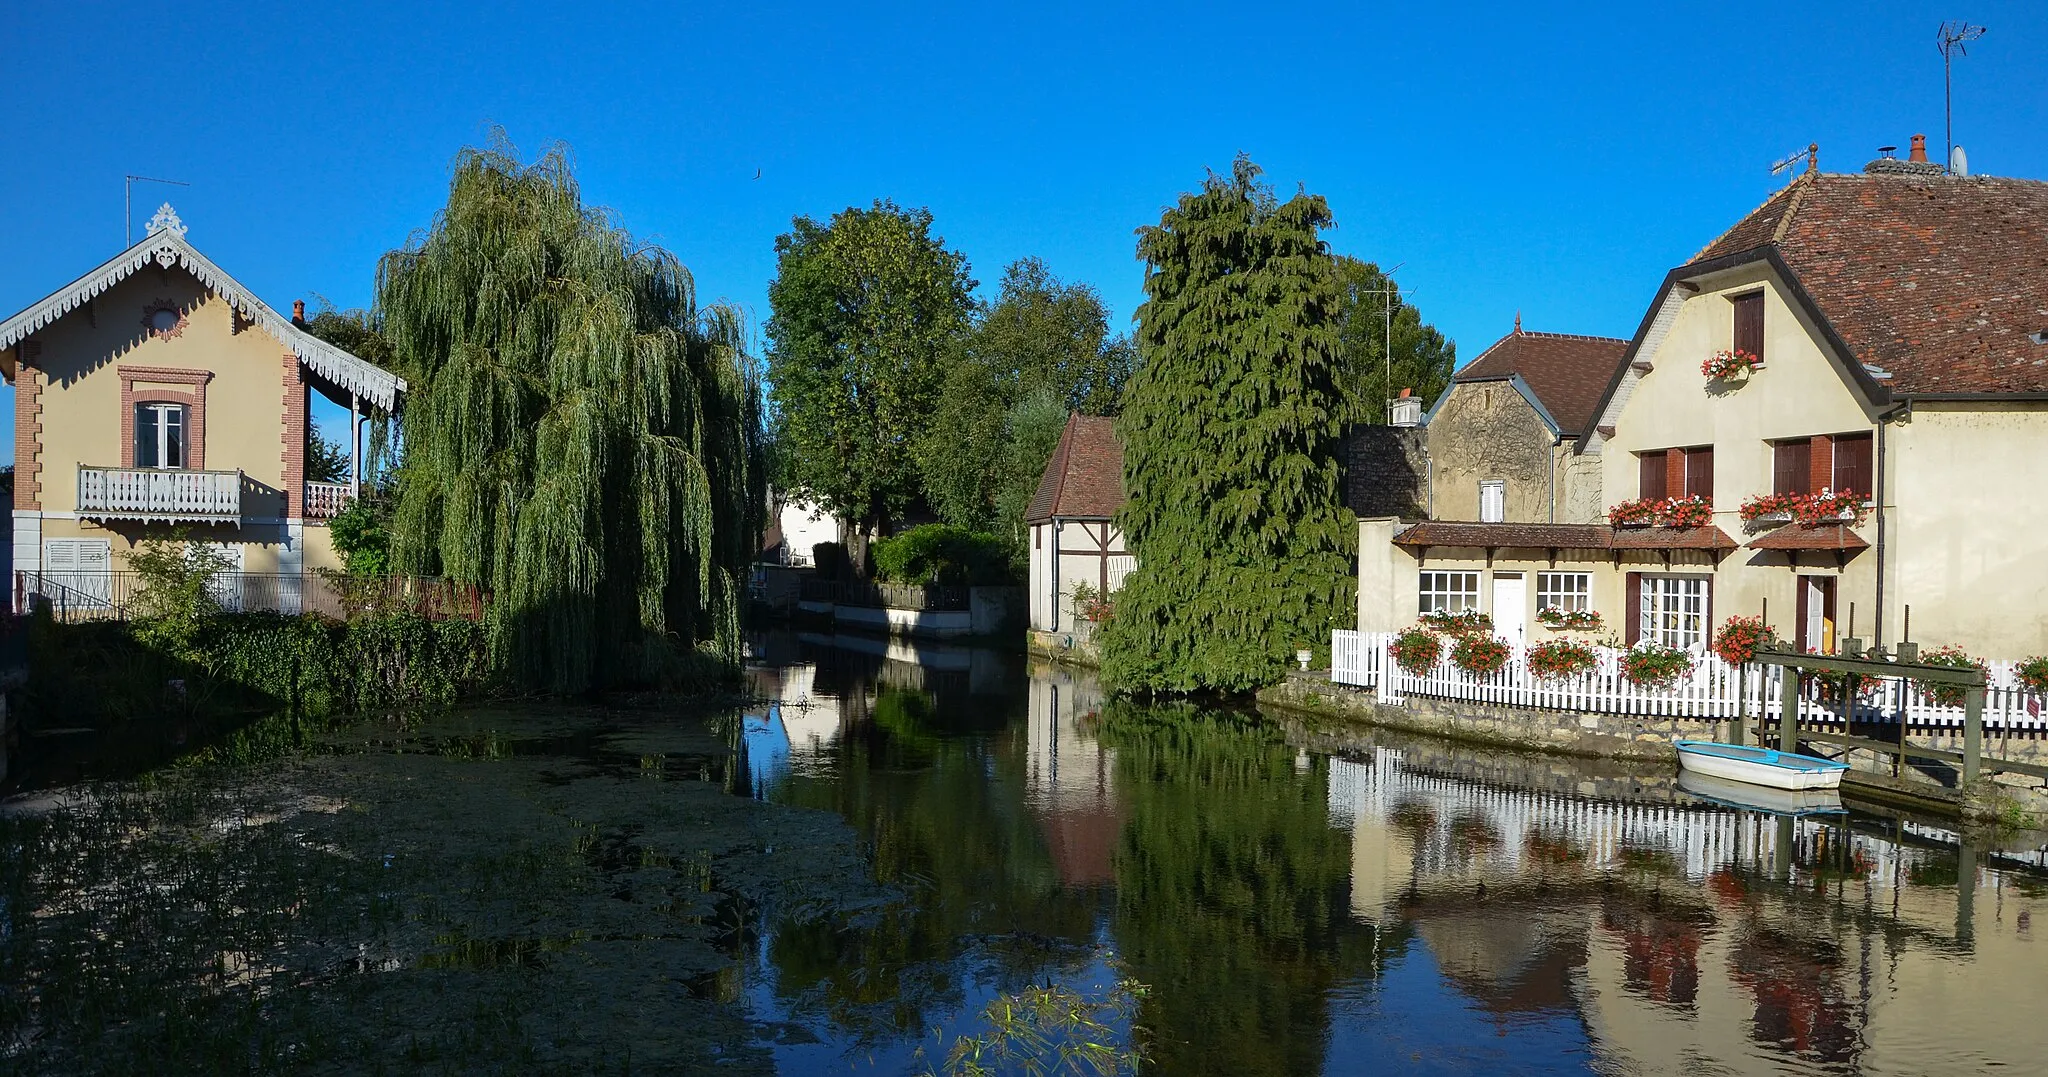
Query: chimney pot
<point x="1919" y="149"/>
<point x="298" y="312"/>
<point x="1404" y="394"/>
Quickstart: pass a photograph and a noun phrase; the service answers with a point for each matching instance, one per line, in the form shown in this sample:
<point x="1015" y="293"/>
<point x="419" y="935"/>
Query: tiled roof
<point x="1567" y="372"/>
<point x="1085" y="477"/>
<point x="1937" y="280"/>
<point x="1823" y="537"/>
<point x="1563" y="536"/>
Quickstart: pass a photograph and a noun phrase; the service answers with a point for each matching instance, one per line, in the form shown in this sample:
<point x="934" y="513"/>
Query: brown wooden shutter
<point x="1789" y="467"/>
<point x="1800" y="611"/>
<point x="1699" y="472"/>
<point x="1749" y="324"/>
<point x="1650" y="475"/>
<point x="1852" y="465"/>
<point x="1632" y="616"/>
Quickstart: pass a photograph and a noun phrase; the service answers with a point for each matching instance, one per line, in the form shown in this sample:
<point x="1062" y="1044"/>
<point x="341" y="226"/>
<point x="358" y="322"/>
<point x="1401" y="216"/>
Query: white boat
<point x="1746" y="797"/>
<point x="1767" y="767"/>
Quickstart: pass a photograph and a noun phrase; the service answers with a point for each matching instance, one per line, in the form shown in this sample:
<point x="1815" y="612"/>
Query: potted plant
<point x="1769" y="508"/>
<point x="2033" y="674"/>
<point x="1464" y="622"/>
<point x="1480" y="654"/>
<point x="1740" y="637"/>
<point x="1694" y="511"/>
<point x="1954" y="657"/>
<point x="1560" y="658"/>
<point x="1560" y="620"/>
<point x="1416" y="650"/>
<point x="1641" y="512"/>
<point x="1730" y="364"/>
<point x="1654" y="665"/>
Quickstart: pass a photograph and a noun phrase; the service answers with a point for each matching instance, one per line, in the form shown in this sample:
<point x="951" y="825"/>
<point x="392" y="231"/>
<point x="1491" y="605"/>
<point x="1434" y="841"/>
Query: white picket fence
<point x="1714" y="689"/>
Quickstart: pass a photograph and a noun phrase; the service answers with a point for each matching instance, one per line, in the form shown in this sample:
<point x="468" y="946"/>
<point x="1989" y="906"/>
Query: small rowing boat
<point x="1760" y="766"/>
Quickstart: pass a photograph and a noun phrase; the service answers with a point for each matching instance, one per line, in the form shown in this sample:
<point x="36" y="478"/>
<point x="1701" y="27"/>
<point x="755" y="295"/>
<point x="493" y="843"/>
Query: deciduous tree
<point x="1230" y="430"/>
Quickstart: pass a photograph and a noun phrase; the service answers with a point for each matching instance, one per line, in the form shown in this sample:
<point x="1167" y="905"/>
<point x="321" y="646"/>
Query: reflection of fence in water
<point x="100" y="596"/>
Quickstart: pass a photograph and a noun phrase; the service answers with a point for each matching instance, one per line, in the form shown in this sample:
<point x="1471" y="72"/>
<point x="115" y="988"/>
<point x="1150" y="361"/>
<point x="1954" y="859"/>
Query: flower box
<point x="1730" y="364"/>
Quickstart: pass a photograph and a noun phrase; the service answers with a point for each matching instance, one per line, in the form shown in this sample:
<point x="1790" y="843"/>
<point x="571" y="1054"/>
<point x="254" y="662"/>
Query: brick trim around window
<point x="293" y="454"/>
<point x="194" y="401"/>
<point x="28" y="427"/>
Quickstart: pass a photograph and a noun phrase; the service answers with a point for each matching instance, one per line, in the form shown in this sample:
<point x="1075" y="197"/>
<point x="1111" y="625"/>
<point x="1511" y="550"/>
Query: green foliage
<point x="1953" y="657"/>
<point x="1655" y="665"/>
<point x="943" y="554"/>
<point x="178" y="578"/>
<point x="1230" y="430"/>
<point x="1423" y="359"/>
<point x="581" y="438"/>
<point x="1052" y="1030"/>
<point x="1041" y="350"/>
<point x="327" y="460"/>
<point x="361" y="334"/>
<point x="1416" y="650"/>
<point x="361" y="534"/>
<point x="867" y="311"/>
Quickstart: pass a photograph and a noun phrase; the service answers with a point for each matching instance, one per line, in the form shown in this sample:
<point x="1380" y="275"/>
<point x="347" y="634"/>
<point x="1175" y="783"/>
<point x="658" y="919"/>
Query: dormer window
<point x="160" y="435"/>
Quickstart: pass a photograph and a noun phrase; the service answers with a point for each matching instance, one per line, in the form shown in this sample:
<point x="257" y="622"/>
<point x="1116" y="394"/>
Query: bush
<point x="1480" y="655"/>
<point x="1954" y="657"/>
<point x="2033" y="674"/>
<point x="943" y="554"/>
<point x="1561" y="658"/>
<point x="1653" y="665"/>
<point x="1416" y="650"/>
<point x="359" y="534"/>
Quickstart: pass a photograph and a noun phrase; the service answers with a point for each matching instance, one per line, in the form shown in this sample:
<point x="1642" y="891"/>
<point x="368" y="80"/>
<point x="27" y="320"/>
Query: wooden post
<point x="1973" y="732"/>
<point x="355" y="445"/>
<point x="1966" y="892"/>
<point x="1742" y="703"/>
<point x="1788" y="710"/>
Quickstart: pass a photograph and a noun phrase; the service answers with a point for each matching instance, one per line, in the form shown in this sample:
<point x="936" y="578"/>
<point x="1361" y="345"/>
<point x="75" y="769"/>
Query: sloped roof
<point x="1085" y="477"/>
<point x="1938" y="280"/>
<point x="1568" y="373"/>
<point x="1561" y="536"/>
<point x="1834" y="537"/>
<point x="167" y="247"/>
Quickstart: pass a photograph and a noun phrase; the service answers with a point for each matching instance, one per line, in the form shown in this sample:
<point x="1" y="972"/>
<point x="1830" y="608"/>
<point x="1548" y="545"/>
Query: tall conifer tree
<point x="580" y="437"/>
<point x="1231" y="428"/>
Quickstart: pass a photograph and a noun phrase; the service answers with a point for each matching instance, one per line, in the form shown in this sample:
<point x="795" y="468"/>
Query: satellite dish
<point x="1958" y="162"/>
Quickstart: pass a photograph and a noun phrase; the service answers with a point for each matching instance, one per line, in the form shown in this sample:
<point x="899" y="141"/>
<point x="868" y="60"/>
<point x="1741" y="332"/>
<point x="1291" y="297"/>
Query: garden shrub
<point x="943" y="554"/>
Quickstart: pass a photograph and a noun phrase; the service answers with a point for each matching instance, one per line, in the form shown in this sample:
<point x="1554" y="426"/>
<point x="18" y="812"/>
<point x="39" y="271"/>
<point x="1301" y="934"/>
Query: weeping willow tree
<point x="580" y="437"/>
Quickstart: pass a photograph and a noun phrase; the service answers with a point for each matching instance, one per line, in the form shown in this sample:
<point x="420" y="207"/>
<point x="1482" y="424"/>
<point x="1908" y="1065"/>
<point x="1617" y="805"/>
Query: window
<point x="1852" y="464"/>
<point x="1674" y="610"/>
<point x="83" y="567"/>
<point x="1650" y="484"/>
<point x="1571" y="592"/>
<point x="1699" y="472"/>
<point x="1493" y="501"/>
<point x="1792" y="467"/>
<point x="160" y="435"/>
<point x="1749" y="324"/>
<point x="1451" y="592"/>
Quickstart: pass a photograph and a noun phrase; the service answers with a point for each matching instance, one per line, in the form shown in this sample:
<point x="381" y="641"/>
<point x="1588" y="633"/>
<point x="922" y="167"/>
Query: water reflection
<point x="1297" y="912"/>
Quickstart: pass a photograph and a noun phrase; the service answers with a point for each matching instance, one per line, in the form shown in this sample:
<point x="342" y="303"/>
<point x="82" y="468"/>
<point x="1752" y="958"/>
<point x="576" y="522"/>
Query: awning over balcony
<point x="1831" y="538"/>
<point x="1601" y="537"/>
<point x="1672" y="538"/>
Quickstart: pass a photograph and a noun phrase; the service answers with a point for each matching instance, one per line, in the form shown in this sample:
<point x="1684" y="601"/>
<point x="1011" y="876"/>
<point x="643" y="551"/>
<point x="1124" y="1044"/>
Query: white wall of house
<point x="1066" y="553"/>
<point x="804" y="525"/>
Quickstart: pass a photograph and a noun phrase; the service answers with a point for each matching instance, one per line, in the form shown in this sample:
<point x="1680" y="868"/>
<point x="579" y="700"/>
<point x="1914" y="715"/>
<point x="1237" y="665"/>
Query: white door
<point x="84" y="567"/>
<point x="1510" y="604"/>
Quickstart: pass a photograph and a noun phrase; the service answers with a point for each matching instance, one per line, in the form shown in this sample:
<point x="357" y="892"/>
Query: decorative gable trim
<point x="167" y="248"/>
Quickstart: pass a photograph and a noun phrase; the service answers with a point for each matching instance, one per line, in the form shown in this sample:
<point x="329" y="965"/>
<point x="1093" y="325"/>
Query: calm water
<point x="844" y="881"/>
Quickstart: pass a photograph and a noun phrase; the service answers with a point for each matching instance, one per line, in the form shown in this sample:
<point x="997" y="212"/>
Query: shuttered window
<point x="1699" y="472"/>
<point x="1493" y="501"/>
<point x="1749" y="324"/>
<point x="1791" y="463"/>
<point x="1852" y="464"/>
<point x="1650" y="482"/>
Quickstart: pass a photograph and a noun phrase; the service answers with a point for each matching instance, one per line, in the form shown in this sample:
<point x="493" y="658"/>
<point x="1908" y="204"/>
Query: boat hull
<point x="1760" y="766"/>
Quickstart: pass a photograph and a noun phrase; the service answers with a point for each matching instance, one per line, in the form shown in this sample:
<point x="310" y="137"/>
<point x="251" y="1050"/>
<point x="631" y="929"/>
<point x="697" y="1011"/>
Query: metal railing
<point x="140" y="493"/>
<point x="899" y="596"/>
<point x="90" y="596"/>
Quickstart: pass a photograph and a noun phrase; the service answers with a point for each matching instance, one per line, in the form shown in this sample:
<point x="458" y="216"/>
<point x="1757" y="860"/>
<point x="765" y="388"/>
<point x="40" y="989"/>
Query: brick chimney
<point x="1919" y="149"/>
<point x="299" y="313"/>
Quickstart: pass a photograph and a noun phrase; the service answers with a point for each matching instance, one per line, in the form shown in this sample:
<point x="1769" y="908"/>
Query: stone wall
<point x="1487" y="431"/>
<point x="1386" y="471"/>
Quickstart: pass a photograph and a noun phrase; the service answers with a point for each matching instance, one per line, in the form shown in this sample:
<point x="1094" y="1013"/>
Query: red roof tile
<point x="1085" y="477"/>
<point x="1823" y="537"/>
<point x="1938" y="280"/>
<point x="1671" y="538"/>
<point x="1567" y="372"/>
<point x="1563" y="536"/>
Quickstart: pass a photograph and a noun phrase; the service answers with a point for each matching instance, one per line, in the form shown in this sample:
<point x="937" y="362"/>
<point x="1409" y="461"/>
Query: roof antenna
<point x="128" y="195"/>
<point x="1950" y="39"/>
<point x="1811" y="155"/>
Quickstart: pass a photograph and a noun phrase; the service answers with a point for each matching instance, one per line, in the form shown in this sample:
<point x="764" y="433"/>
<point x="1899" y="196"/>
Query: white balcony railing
<point x="325" y="499"/>
<point x="135" y="493"/>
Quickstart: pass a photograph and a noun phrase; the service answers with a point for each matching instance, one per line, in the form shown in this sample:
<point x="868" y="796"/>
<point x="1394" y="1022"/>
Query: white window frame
<point x="184" y="425"/>
<point x="1675" y="610"/>
<point x="1571" y="592"/>
<point x="1449" y="591"/>
<point x="1499" y="488"/>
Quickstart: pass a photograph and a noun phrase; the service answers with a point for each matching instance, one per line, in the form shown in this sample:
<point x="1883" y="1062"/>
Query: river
<point x="848" y="878"/>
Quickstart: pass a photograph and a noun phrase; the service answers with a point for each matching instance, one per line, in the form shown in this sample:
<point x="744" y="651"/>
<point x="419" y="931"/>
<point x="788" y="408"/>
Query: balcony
<point x="324" y="500"/>
<point x="160" y="496"/>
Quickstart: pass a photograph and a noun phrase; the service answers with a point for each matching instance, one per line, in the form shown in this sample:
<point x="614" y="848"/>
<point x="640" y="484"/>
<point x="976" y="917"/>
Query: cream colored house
<point x="1072" y="517"/>
<point x="1901" y="320"/>
<point x="155" y="393"/>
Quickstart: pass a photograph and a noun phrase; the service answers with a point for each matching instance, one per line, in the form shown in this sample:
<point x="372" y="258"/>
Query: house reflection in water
<point x="1690" y="938"/>
<point x="1068" y="780"/>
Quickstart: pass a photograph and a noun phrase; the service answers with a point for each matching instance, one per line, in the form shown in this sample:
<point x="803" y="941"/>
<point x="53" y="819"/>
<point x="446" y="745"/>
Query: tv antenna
<point x="1811" y="155"/>
<point x="128" y="196"/>
<point x="1952" y="38"/>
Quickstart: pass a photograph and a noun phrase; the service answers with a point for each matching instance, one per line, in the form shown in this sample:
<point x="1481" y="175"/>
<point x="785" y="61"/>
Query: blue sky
<point x="1554" y="161"/>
